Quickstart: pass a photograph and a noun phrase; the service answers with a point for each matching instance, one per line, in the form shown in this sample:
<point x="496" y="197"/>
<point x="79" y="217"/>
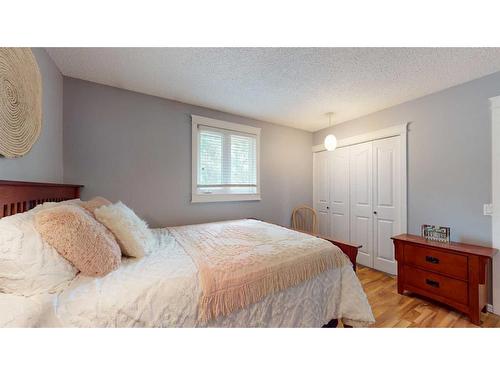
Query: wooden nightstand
<point x="452" y="273"/>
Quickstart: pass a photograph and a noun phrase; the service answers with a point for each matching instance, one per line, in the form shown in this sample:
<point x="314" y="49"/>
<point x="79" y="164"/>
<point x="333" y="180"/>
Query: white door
<point x="386" y="201"/>
<point x="321" y="191"/>
<point x="361" y="201"/>
<point x="339" y="194"/>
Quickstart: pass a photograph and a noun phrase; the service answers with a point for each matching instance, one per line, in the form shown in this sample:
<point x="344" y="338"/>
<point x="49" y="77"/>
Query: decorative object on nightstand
<point x="453" y="273"/>
<point x="435" y="233"/>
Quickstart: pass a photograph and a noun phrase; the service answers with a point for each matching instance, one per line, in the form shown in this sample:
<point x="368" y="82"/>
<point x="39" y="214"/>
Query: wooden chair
<point x="304" y="218"/>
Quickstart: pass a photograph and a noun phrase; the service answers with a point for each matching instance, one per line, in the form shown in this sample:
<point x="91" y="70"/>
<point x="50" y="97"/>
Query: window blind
<point x="226" y="159"/>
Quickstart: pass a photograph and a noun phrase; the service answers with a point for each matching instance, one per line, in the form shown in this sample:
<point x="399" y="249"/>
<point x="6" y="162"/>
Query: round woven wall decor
<point x="20" y="101"/>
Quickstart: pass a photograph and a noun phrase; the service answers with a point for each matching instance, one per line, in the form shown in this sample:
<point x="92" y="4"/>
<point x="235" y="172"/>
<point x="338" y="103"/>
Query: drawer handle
<point x="432" y="260"/>
<point x="433" y="283"/>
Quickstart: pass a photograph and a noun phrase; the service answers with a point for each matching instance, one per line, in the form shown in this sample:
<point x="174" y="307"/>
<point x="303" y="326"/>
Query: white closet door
<point x="386" y="201"/>
<point x="361" y="201"/>
<point x="339" y="194"/>
<point x="321" y="192"/>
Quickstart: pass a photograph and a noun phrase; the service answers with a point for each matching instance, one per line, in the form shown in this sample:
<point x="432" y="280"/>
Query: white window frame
<point x="196" y="195"/>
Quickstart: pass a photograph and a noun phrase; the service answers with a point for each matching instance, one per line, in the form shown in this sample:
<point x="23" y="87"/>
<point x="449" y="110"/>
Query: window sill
<point x="204" y="198"/>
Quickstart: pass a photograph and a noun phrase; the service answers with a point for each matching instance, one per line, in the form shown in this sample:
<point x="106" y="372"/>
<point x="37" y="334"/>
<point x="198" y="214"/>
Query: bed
<point x="163" y="288"/>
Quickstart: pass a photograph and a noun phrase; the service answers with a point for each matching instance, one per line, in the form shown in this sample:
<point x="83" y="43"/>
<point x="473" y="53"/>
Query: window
<point x="225" y="161"/>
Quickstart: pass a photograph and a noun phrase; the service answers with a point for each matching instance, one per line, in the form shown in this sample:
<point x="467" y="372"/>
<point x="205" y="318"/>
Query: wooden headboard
<point x="21" y="196"/>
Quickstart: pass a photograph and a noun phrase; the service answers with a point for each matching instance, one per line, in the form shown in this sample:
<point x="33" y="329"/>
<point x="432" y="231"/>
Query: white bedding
<point x="162" y="290"/>
<point x="20" y="311"/>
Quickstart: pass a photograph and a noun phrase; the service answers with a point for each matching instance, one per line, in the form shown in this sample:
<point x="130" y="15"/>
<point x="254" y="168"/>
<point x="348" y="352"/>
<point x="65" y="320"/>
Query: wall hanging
<point x="20" y="101"/>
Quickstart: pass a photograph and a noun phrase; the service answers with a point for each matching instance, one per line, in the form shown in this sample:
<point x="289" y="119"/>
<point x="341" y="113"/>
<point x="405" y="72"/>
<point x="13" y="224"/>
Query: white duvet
<point x="162" y="290"/>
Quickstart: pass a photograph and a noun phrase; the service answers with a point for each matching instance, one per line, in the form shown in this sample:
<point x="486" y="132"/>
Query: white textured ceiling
<point x="289" y="86"/>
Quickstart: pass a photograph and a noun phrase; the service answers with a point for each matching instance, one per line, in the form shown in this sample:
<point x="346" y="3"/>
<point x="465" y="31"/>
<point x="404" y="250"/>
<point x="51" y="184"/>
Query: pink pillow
<point x="94" y="203"/>
<point x="79" y="238"/>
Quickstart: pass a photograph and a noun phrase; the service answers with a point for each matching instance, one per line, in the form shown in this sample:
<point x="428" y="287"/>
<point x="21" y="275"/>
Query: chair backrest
<point x="305" y="218"/>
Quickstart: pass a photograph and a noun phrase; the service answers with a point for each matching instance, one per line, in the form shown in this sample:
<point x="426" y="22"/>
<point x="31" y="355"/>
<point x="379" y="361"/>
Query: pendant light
<point x="330" y="140"/>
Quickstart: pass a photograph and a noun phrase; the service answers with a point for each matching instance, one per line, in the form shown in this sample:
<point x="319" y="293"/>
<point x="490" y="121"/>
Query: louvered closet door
<point x="321" y="193"/>
<point x="386" y="201"/>
<point x="339" y="194"/>
<point x="361" y="201"/>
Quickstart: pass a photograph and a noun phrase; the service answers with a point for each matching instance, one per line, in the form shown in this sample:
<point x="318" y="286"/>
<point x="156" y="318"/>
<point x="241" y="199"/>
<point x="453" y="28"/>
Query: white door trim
<point x="495" y="195"/>
<point x="392" y="131"/>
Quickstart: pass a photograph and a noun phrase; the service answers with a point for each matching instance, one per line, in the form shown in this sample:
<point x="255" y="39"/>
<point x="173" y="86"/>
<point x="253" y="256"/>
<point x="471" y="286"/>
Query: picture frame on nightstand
<point x="436" y="233"/>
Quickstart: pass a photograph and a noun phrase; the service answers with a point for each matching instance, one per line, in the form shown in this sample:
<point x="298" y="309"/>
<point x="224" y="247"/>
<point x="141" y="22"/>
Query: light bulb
<point x="330" y="142"/>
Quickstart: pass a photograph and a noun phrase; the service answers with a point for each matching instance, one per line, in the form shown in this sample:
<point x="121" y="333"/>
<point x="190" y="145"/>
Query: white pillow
<point x="132" y="233"/>
<point x="28" y="265"/>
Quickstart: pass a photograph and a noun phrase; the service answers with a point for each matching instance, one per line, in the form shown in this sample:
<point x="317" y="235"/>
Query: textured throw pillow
<point x="132" y="233"/>
<point x="94" y="203"/>
<point x="28" y="265"/>
<point x="79" y="238"/>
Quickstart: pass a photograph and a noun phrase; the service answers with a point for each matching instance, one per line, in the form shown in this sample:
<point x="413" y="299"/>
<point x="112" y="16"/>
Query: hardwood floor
<point x="394" y="310"/>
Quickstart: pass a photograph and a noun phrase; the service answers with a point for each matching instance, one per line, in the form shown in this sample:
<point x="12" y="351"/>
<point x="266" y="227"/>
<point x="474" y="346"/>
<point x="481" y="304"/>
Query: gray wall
<point x="45" y="160"/>
<point x="449" y="156"/>
<point x="137" y="148"/>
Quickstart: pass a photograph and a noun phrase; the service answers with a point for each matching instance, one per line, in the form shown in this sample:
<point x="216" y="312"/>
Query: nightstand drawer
<point x="438" y="285"/>
<point x="434" y="260"/>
